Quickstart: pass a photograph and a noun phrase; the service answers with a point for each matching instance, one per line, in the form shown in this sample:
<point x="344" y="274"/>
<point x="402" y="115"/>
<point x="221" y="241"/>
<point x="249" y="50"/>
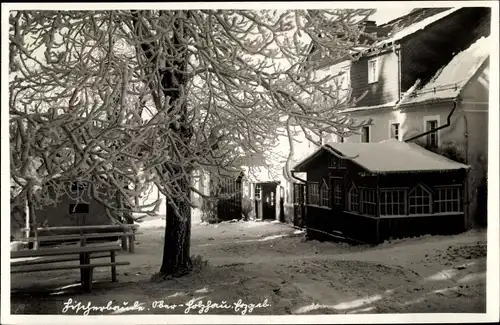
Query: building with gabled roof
<point x="371" y="192"/>
<point x="428" y="83"/>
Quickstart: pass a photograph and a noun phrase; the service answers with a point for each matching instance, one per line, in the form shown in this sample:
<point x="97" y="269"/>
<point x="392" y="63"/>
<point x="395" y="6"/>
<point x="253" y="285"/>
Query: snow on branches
<point x="121" y="100"/>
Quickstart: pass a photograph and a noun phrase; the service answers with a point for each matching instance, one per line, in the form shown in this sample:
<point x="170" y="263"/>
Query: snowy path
<point x="257" y="260"/>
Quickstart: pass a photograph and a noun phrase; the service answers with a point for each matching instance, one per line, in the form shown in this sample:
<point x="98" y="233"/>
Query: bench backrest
<point x="63" y="251"/>
<point x="74" y="237"/>
<point x="78" y="229"/>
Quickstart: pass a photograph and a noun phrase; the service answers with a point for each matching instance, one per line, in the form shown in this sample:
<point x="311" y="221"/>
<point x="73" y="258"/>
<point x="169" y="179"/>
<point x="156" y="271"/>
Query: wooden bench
<point x="83" y="233"/>
<point x="83" y="254"/>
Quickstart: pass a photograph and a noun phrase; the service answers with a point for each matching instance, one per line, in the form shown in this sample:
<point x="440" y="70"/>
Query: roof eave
<point x="420" y="171"/>
<point x="401" y="106"/>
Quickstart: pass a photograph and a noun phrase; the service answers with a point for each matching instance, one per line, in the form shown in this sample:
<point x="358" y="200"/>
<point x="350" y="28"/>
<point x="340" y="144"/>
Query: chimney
<point x="369" y="23"/>
<point x="371" y="27"/>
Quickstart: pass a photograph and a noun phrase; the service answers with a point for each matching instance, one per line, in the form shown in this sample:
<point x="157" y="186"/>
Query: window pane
<point x="365" y="135"/>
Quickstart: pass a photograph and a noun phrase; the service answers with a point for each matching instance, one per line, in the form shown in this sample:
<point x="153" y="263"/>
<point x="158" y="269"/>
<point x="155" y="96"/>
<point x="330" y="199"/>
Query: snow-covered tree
<point x="123" y="99"/>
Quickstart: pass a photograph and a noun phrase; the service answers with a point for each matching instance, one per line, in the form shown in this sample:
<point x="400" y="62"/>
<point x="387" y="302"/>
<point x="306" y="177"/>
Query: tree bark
<point x="177" y="243"/>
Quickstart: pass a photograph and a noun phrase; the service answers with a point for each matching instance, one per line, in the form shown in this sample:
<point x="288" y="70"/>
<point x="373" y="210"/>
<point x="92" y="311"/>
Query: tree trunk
<point x="177" y="243"/>
<point x="176" y="248"/>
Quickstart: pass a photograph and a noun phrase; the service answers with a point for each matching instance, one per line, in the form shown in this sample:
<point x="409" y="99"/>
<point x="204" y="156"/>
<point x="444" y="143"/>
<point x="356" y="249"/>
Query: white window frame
<point x="369" y="134"/>
<point x="373" y="79"/>
<point x="350" y="196"/>
<point x="403" y="194"/>
<point x="257" y="191"/>
<point x="322" y="197"/>
<point x="438" y="200"/>
<point x="438" y="120"/>
<point x="399" y="129"/>
<point x="429" y="192"/>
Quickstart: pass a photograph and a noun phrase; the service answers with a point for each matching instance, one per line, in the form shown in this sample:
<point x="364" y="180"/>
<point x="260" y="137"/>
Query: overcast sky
<point x="384" y="15"/>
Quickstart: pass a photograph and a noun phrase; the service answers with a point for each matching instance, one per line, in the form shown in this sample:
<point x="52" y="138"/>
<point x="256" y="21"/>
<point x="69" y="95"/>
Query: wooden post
<point x="261" y="204"/>
<point x="86" y="273"/>
<point x="27" y="219"/>
<point x="83" y="240"/>
<point x="113" y="267"/>
<point x="132" y="241"/>
<point x="32" y="217"/>
<point x="125" y="240"/>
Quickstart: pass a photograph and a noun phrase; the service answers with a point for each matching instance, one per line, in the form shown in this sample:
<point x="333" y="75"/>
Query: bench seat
<point x="68" y="267"/>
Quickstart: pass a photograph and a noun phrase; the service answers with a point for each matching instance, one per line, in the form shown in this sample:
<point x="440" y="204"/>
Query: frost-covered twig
<point x="124" y="100"/>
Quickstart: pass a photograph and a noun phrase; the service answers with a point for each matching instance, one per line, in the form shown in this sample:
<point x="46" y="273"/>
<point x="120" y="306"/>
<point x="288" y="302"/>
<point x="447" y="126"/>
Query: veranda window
<point x="448" y="199"/>
<point x="325" y="194"/>
<point x="392" y="202"/>
<point x="314" y="193"/>
<point x="353" y="199"/>
<point x="420" y="200"/>
<point x="368" y="202"/>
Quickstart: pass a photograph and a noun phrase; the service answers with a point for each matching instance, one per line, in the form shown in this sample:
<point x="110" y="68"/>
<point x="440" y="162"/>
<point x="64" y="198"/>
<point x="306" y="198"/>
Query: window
<point x="332" y="161"/>
<point x="392" y="202"/>
<point x="337" y="193"/>
<point x="325" y="194"/>
<point x="77" y="190"/>
<point x="395" y="131"/>
<point x="257" y="191"/>
<point x="420" y="201"/>
<point x="448" y="199"/>
<point x="353" y="199"/>
<point x="314" y="193"/>
<point x="432" y="138"/>
<point x="365" y="134"/>
<point x="342" y="163"/>
<point x="372" y="71"/>
<point x="368" y="202"/>
<point x="78" y="208"/>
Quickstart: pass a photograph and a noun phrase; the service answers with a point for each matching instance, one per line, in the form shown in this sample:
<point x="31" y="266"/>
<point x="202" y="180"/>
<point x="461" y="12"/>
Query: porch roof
<point x="388" y="156"/>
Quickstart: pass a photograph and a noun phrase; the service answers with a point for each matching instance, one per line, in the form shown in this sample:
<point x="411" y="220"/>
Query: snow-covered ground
<point x="254" y="261"/>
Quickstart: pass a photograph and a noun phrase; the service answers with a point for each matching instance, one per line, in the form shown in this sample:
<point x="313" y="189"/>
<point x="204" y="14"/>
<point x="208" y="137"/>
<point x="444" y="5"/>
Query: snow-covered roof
<point x="418" y="26"/>
<point x="367" y="108"/>
<point x="390" y="156"/>
<point x="449" y="81"/>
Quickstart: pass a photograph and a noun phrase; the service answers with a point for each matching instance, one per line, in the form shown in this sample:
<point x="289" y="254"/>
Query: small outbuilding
<point x="370" y="192"/>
